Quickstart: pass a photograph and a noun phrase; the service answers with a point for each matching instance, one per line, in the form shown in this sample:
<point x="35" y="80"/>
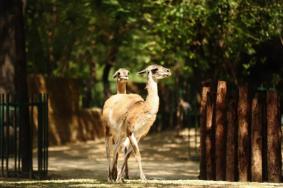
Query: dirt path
<point x="165" y="162"/>
<point x="164" y="156"/>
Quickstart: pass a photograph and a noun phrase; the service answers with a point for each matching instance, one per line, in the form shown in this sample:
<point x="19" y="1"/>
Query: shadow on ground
<point x="165" y="161"/>
<point x="164" y="156"/>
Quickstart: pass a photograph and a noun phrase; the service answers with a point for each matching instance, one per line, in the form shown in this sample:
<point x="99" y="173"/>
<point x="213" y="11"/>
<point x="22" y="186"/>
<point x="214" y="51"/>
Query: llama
<point x="122" y="77"/>
<point x="129" y="117"/>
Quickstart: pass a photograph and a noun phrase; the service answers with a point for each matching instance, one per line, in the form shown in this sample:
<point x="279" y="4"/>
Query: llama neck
<point x="152" y="99"/>
<point x="121" y="87"/>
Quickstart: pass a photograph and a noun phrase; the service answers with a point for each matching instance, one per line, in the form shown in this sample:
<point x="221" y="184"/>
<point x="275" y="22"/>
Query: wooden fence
<point x="240" y="133"/>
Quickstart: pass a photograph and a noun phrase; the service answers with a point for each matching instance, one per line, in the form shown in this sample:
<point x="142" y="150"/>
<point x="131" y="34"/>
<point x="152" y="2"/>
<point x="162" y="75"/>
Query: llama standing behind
<point x="122" y="76"/>
<point x="130" y="117"/>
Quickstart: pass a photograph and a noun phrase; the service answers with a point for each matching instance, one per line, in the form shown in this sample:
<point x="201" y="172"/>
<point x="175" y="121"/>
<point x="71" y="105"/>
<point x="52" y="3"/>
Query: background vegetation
<point x="199" y="40"/>
<point x="239" y="41"/>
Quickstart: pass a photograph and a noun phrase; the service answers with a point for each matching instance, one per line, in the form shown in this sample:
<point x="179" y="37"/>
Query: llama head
<point x="121" y="74"/>
<point x="157" y="71"/>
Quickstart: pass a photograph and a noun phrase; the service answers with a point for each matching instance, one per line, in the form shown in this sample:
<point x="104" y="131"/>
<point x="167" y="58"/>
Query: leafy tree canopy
<point x="216" y="39"/>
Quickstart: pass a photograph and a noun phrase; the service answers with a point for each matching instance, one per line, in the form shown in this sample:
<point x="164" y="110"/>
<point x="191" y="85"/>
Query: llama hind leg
<point x="121" y="172"/>
<point x="115" y="160"/>
<point x="126" y="148"/>
<point x="108" y="144"/>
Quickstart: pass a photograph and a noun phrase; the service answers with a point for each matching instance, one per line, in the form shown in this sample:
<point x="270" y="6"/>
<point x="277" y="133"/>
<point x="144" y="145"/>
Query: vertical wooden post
<point x="256" y="139"/>
<point x="273" y="137"/>
<point x="209" y="139"/>
<point x="231" y="147"/>
<point x="243" y="131"/>
<point x="220" y="120"/>
<point x="264" y="135"/>
<point x="203" y="103"/>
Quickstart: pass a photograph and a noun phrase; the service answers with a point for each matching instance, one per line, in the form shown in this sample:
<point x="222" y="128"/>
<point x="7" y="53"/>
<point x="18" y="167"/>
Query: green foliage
<point x="198" y="38"/>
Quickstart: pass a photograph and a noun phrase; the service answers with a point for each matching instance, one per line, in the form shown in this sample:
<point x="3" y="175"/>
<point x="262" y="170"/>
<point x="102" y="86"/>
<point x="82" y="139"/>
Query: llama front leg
<point x="136" y="151"/>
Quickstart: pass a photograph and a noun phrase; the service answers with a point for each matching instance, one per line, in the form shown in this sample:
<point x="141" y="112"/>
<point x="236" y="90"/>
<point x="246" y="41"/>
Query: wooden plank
<point x="209" y="140"/>
<point x="273" y="137"/>
<point x="220" y="128"/>
<point x="243" y="134"/>
<point x="203" y="105"/>
<point x="231" y="148"/>
<point x="256" y="139"/>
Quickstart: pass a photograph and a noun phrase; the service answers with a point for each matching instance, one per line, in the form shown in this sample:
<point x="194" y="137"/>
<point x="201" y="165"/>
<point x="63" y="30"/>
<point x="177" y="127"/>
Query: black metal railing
<point x="11" y="127"/>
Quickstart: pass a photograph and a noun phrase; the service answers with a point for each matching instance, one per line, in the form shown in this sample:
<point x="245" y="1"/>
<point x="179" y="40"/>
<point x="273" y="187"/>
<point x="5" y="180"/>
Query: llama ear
<point x="142" y="72"/>
<point x="154" y="70"/>
<point x="115" y="74"/>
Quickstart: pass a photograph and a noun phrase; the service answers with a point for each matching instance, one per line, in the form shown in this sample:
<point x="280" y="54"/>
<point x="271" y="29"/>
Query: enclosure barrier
<point x="11" y="127"/>
<point x="240" y="133"/>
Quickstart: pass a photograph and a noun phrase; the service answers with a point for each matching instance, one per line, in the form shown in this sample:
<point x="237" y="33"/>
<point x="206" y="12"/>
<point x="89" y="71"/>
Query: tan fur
<point x="121" y="87"/>
<point x="121" y="76"/>
<point x="116" y="108"/>
<point x="128" y="116"/>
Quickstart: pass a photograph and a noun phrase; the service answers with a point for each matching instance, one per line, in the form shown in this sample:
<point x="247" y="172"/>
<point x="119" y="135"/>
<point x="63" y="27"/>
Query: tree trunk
<point x="87" y="94"/>
<point x="108" y="65"/>
<point x="243" y="134"/>
<point x="220" y="128"/>
<point x="51" y="62"/>
<point x="21" y="89"/>
<point x="89" y="85"/>
<point x="231" y="148"/>
<point x="273" y="138"/>
<point x="256" y="139"/>
<point x="13" y="65"/>
<point x="106" y="85"/>
<point x="203" y="104"/>
<point x="7" y="47"/>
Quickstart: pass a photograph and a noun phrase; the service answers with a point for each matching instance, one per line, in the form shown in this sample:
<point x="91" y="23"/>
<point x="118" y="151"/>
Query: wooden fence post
<point x="220" y="128"/>
<point x="243" y="134"/>
<point x="231" y="147"/>
<point x="256" y="138"/>
<point x="203" y="104"/>
<point x="209" y="139"/>
<point x="273" y="137"/>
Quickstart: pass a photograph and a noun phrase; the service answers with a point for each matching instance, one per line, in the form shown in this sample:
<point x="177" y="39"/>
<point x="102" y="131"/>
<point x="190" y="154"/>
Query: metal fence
<point x="11" y="126"/>
<point x="193" y="136"/>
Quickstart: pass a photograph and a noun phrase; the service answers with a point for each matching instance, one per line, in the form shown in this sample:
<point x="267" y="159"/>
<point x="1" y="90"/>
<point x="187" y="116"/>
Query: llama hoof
<point x="114" y="173"/>
<point x="143" y="177"/>
<point x="109" y="180"/>
<point x="120" y="180"/>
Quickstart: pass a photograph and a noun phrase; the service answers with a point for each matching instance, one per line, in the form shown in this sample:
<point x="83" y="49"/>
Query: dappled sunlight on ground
<point x="87" y="182"/>
<point x="164" y="156"/>
<point x="165" y="159"/>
